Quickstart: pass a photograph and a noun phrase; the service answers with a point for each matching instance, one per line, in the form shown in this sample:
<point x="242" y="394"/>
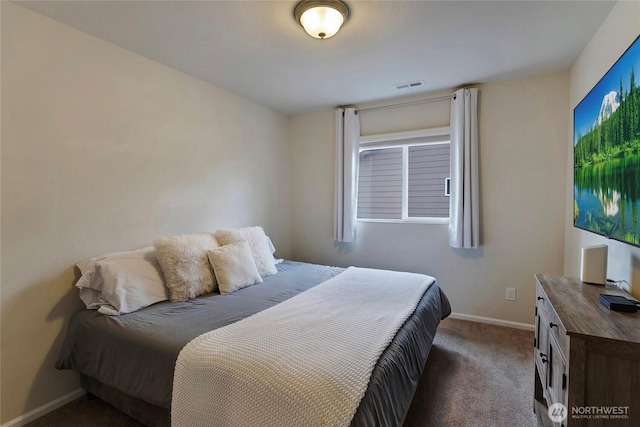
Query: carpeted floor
<point x="477" y="375"/>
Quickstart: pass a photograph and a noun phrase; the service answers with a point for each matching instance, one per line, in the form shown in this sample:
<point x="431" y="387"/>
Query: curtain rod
<point x="403" y="104"/>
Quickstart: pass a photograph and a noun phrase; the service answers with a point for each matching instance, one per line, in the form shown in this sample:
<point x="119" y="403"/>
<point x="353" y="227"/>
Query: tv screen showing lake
<point x="607" y="199"/>
<point x="606" y="153"/>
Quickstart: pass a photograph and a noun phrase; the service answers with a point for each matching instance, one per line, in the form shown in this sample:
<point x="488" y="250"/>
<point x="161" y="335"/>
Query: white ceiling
<point x="256" y="49"/>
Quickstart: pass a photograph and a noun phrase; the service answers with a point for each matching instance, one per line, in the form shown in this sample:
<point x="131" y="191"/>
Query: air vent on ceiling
<point x="408" y="85"/>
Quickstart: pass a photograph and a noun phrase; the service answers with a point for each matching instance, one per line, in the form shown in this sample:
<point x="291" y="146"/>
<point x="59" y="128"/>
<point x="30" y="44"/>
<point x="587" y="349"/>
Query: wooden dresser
<point x="586" y="357"/>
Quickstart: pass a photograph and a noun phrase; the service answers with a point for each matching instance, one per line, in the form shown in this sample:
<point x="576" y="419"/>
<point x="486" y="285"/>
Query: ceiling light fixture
<point x="321" y="18"/>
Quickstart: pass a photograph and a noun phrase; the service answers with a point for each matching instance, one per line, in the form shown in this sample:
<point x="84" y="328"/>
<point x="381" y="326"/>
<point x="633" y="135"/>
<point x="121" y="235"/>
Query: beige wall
<point x="104" y="150"/>
<point x="615" y="35"/>
<point x="523" y="160"/>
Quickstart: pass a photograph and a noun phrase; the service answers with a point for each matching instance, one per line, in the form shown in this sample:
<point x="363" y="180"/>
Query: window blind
<point x="380" y="184"/>
<point x="428" y="170"/>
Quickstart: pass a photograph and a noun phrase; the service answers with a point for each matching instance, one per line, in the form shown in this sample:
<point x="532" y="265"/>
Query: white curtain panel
<point x="464" y="224"/>
<point x="347" y="158"/>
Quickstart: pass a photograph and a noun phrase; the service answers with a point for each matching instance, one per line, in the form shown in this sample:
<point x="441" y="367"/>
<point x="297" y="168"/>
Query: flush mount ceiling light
<point x="321" y="18"/>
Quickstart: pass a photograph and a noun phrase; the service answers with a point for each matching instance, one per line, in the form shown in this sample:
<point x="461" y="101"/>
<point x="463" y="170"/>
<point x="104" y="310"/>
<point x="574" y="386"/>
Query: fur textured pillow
<point x="258" y="243"/>
<point x="185" y="264"/>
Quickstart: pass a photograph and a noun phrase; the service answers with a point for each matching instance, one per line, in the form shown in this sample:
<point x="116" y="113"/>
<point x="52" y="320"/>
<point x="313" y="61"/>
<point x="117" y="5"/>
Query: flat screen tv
<point x="606" y="153"/>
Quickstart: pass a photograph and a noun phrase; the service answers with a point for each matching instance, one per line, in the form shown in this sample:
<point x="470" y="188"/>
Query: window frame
<point x="441" y="135"/>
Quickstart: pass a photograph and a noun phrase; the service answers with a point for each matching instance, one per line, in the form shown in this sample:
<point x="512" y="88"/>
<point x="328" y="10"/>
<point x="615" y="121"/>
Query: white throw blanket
<point x="304" y="362"/>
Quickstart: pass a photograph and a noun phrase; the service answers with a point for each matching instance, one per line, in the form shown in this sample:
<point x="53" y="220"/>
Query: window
<point x="404" y="176"/>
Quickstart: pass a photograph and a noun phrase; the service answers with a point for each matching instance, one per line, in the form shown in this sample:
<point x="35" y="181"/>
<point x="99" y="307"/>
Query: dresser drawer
<point x="551" y="319"/>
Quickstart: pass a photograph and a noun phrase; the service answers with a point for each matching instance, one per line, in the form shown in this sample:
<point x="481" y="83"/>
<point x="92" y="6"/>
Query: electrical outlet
<point x="511" y="294"/>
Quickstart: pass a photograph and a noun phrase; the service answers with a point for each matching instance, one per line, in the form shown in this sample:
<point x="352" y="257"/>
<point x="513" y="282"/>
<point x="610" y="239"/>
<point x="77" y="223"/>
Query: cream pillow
<point x="185" y="265"/>
<point x="234" y="267"/>
<point x="258" y="243"/>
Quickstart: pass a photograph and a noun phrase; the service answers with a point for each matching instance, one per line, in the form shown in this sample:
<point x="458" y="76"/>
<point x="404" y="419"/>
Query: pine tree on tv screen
<point x="607" y="153"/>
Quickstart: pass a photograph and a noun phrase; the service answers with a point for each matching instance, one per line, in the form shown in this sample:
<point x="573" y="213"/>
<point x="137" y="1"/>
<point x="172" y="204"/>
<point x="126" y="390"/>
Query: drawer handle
<point x="551" y="325"/>
<point x="539" y="298"/>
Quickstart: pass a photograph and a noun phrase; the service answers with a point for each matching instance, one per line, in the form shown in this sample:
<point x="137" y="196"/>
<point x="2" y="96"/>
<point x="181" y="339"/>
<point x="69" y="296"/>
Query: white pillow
<point x="258" y="243"/>
<point x="273" y="251"/>
<point x="234" y="267"/>
<point x="184" y="262"/>
<point x="271" y="247"/>
<point x="87" y="268"/>
<point x="122" y="282"/>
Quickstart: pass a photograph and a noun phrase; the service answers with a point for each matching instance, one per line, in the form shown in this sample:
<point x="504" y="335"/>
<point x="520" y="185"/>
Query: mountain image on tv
<point x="607" y="153"/>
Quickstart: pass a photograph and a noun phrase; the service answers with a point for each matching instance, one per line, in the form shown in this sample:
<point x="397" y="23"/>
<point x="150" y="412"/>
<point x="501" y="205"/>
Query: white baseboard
<point x="44" y="409"/>
<point x="493" y="321"/>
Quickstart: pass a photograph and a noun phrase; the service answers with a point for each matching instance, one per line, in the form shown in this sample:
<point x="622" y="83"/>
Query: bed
<point x="129" y="360"/>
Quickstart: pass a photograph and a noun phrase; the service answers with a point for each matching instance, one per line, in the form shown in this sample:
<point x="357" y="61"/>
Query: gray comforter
<point x="136" y="353"/>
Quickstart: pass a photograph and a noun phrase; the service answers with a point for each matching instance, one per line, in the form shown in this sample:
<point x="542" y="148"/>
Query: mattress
<point x="135" y="354"/>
